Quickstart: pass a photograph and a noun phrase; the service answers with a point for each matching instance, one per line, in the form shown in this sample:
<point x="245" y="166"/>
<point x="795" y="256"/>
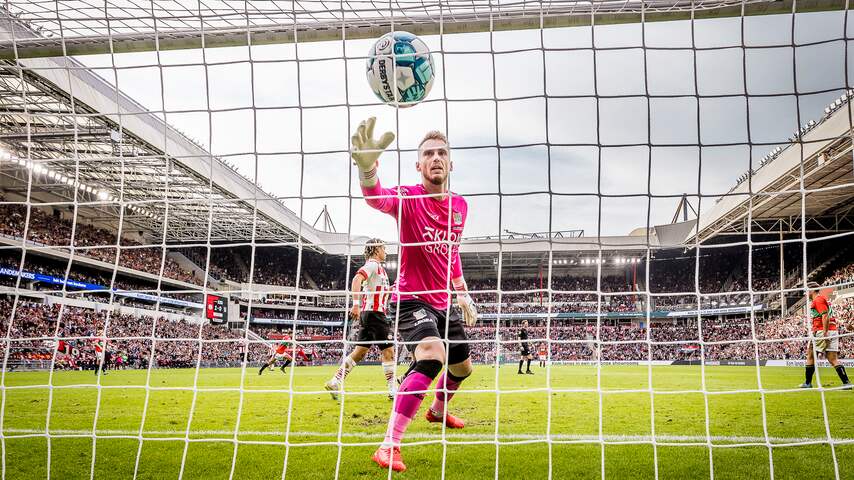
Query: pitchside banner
<point x="710" y="363"/>
<point x="652" y="314"/>
<point x="800" y="363"/>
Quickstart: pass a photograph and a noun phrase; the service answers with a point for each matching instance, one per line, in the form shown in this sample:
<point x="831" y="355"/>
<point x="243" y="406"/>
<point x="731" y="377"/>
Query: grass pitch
<point x="217" y="431"/>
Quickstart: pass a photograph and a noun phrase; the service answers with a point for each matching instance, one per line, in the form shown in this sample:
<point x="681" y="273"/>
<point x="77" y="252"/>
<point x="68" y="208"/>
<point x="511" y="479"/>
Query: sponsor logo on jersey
<point x="423" y="320"/>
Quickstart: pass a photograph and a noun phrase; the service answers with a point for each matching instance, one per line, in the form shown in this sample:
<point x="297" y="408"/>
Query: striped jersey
<point x="375" y="287"/>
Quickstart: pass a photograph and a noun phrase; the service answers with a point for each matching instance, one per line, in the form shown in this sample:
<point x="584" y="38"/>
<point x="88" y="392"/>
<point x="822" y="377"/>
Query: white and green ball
<point x="400" y="69"/>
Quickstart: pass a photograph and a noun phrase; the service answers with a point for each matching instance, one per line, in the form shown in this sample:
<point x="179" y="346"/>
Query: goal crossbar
<point x="425" y="19"/>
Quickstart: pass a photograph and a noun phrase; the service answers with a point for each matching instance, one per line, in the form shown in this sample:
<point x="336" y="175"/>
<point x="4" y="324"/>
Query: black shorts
<point x="374" y="328"/>
<point x="525" y="352"/>
<point x="418" y="320"/>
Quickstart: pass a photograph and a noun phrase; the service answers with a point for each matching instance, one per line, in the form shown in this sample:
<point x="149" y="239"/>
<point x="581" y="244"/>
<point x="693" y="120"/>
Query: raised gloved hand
<point x="366" y="151"/>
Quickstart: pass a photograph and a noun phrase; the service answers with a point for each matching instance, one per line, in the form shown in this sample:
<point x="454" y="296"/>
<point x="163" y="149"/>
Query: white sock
<point x="388" y="370"/>
<point x="346" y="365"/>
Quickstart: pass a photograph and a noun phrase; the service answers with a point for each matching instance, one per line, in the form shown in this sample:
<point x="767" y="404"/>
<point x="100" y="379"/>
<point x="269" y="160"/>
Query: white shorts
<point x="831" y="344"/>
<point x="283" y="356"/>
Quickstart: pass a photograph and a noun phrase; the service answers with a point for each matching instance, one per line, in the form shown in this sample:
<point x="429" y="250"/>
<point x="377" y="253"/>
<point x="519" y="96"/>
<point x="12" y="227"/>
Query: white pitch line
<point x="449" y="436"/>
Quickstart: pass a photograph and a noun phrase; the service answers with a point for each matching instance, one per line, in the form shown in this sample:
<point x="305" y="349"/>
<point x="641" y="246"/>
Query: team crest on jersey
<point x="419" y="314"/>
<point x="458" y="218"/>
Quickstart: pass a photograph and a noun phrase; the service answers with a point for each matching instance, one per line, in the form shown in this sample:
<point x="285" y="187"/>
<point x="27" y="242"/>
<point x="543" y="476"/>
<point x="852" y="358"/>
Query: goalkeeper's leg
<point x="459" y="368"/>
<point x="428" y="364"/>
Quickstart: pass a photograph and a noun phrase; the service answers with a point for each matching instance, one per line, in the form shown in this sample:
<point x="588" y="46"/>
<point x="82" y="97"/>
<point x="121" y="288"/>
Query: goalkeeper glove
<point x="366" y="151"/>
<point x="466" y="304"/>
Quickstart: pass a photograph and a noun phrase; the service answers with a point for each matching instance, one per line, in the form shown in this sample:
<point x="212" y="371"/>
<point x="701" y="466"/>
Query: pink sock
<point x="406" y="405"/>
<point x="438" y="406"/>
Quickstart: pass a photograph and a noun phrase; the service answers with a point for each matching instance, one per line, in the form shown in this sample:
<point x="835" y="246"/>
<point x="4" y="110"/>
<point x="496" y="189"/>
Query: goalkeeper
<point x="431" y="221"/>
<point x="826" y="334"/>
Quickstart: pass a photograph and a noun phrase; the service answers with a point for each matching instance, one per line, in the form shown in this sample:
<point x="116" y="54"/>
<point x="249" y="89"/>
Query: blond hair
<point x="373" y="246"/>
<point x="434" y="135"/>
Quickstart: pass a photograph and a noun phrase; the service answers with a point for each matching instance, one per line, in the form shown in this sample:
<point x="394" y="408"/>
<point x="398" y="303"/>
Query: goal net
<point x="658" y="240"/>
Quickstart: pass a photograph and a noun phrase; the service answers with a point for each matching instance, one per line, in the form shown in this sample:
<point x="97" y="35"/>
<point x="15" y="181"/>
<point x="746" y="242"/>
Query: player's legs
<point x="347" y="364"/>
<point x="523" y="356"/>
<point x="528" y="367"/>
<point x="286" y="363"/>
<point x="99" y="362"/>
<point x="387" y="355"/>
<point x="447" y="385"/>
<point x="429" y="358"/>
<point x="459" y="368"/>
<point x="270" y="361"/>
<point x="810" y="367"/>
<point x="418" y="322"/>
<point x="417" y="326"/>
<point x="833" y="359"/>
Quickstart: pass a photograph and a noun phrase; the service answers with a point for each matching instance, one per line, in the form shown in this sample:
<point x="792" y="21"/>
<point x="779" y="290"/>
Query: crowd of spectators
<point x="79" y="273"/>
<point x="712" y="270"/>
<point x="89" y="241"/>
<point x="170" y="343"/>
<point x="841" y="276"/>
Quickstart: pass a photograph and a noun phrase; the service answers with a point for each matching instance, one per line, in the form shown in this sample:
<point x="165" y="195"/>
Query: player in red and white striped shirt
<point x="370" y="289"/>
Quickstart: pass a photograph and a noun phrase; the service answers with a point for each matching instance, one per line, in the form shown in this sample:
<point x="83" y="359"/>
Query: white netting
<point x="157" y="205"/>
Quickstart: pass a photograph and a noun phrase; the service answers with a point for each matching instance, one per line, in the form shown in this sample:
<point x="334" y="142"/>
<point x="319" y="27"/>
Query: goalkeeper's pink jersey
<point x="423" y="269"/>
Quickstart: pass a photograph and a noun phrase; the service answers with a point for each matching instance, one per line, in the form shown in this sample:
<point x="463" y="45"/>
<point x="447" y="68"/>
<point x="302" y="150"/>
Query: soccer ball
<point x="405" y="57"/>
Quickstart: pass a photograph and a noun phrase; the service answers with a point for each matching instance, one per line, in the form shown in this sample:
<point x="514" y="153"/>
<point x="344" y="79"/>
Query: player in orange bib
<point x="102" y="356"/>
<point x="542" y="354"/>
<point x="826" y="335"/>
<point x="280" y="352"/>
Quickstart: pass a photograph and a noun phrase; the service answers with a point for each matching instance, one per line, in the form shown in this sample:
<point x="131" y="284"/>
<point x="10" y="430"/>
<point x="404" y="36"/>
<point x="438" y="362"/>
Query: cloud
<point x="297" y="151"/>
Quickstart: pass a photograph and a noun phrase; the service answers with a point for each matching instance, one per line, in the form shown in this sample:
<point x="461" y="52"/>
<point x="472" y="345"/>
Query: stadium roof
<point x="79" y="27"/>
<point x="88" y="141"/>
<point x="774" y="199"/>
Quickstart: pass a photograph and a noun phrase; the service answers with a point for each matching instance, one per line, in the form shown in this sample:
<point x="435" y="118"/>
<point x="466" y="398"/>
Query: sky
<point x="494" y="94"/>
